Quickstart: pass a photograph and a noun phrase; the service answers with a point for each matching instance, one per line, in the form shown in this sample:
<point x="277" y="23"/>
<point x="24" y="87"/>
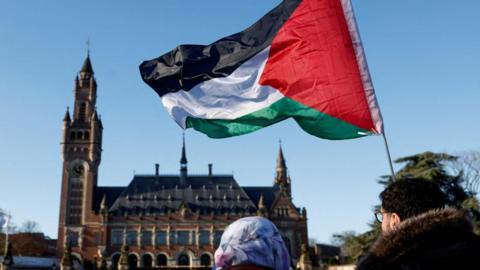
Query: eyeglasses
<point x="379" y="216"/>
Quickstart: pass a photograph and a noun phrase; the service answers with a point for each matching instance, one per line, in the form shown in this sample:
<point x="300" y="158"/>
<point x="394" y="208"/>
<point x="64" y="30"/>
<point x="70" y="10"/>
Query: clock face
<point x="78" y="170"/>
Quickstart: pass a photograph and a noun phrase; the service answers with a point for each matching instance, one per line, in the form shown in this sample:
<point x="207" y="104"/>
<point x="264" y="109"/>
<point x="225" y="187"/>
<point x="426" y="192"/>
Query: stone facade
<point x="157" y="220"/>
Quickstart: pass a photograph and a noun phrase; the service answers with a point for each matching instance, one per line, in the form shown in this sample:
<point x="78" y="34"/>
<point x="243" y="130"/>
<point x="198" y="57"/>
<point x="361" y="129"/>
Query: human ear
<point x="394" y="220"/>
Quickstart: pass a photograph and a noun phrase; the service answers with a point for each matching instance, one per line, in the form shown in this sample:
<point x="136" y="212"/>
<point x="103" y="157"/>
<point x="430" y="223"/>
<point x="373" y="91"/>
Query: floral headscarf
<point x="254" y="241"/>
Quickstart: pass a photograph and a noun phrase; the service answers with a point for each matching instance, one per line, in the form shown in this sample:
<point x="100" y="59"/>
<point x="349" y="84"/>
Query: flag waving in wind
<point x="304" y="60"/>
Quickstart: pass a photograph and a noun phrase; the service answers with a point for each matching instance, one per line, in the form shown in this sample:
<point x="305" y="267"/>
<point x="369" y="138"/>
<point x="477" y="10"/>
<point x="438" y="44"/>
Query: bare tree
<point x="468" y="165"/>
<point x="3" y="220"/>
<point x="30" y="226"/>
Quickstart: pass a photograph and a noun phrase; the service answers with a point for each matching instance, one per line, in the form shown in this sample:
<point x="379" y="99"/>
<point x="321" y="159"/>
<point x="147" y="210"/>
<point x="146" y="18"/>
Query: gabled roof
<point x="269" y="194"/>
<point x="110" y="193"/>
<point x="148" y="194"/>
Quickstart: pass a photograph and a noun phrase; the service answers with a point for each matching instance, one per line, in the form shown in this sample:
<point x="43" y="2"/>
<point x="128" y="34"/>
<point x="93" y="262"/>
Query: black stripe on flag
<point x="188" y="65"/>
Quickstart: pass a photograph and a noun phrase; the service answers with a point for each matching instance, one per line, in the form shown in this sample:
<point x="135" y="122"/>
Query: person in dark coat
<point x="419" y="233"/>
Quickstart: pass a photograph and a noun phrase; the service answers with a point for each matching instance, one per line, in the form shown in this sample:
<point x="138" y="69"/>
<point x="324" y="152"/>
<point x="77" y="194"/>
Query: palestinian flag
<point x="304" y="59"/>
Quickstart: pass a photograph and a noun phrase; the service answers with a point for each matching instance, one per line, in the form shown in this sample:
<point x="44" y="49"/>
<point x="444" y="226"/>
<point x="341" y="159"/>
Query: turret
<point x="262" y="209"/>
<point x="66" y="126"/>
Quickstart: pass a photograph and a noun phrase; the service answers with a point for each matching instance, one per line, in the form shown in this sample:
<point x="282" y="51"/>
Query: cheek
<point x="385" y="225"/>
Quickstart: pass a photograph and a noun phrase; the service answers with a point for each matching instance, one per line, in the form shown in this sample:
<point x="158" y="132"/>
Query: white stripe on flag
<point x="226" y="98"/>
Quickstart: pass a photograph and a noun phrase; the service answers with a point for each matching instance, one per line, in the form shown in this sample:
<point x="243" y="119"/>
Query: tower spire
<point x="87" y="65"/>
<point x="183" y="163"/>
<point x="281" y="168"/>
<point x="282" y="179"/>
<point x="183" y="159"/>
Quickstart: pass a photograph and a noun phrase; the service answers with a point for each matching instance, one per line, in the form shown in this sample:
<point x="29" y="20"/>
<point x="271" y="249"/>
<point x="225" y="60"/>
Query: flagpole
<point x="388" y="155"/>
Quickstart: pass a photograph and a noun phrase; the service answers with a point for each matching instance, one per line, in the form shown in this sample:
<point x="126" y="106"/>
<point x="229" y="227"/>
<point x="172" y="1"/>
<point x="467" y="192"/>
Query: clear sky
<point x="424" y="58"/>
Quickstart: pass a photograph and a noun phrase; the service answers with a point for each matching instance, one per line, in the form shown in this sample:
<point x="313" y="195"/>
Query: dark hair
<point x="411" y="197"/>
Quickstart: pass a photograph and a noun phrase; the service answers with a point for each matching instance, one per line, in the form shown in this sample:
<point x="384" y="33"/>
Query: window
<point x="183" y="237"/>
<point x="161" y="260"/>
<point x="73" y="239"/>
<point x="205" y="260"/>
<point x="83" y="112"/>
<point x="147" y="261"/>
<point x="204" y="237"/>
<point x="160" y="238"/>
<point x="216" y="238"/>
<point x="173" y="238"/>
<point x="193" y="239"/>
<point x="183" y="260"/>
<point x="116" y="237"/>
<point x="132" y="261"/>
<point x="115" y="260"/>
<point x="146" y="238"/>
<point x="132" y="238"/>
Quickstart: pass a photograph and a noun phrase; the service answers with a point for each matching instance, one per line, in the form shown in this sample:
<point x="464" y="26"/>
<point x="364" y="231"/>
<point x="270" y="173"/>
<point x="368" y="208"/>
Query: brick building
<point x="165" y="220"/>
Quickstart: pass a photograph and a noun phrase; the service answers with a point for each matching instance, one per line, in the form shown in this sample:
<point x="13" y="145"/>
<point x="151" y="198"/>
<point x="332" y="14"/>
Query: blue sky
<point x="423" y="55"/>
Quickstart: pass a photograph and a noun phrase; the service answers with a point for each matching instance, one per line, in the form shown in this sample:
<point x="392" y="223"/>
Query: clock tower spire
<point x="81" y="154"/>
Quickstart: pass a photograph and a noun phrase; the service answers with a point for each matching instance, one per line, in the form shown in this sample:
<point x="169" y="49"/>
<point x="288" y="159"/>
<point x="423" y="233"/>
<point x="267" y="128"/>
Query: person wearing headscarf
<point x="252" y="243"/>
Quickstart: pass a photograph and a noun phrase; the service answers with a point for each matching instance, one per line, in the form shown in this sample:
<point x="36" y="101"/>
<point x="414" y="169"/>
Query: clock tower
<point x="81" y="153"/>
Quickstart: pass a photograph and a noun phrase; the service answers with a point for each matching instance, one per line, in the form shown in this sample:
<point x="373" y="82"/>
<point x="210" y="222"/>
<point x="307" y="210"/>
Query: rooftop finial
<point x="88" y="46"/>
<point x="87" y="64"/>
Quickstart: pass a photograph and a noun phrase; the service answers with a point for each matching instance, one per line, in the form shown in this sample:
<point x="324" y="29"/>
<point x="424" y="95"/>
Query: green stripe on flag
<point x="312" y="121"/>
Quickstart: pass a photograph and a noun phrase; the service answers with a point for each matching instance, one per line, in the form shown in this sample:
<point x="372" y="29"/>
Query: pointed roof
<point x="281" y="159"/>
<point x="281" y="175"/>
<point x="261" y="204"/>
<point x="87" y="65"/>
<point x="95" y="115"/>
<point x="183" y="160"/>
<point x="67" y="116"/>
<point x="103" y="203"/>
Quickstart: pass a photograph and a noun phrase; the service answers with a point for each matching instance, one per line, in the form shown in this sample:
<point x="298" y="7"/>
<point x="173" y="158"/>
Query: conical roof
<point x="87" y="65"/>
<point x="67" y="116"/>
<point x="280" y="159"/>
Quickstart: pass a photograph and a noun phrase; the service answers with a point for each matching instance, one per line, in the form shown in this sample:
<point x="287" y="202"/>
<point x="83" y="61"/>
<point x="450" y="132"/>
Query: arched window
<point x="205" y="260"/>
<point x="183" y="260"/>
<point x="72" y="135"/>
<point x="87" y="135"/>
<point x="80" y="135"/>
<point x="132" y="261"/>
<point x="161" y="260"/>
<point x="115" y="260"/>
<point x="83" y="112"/>
<point x="287" y="242"/>
<point x="147" y="260"/>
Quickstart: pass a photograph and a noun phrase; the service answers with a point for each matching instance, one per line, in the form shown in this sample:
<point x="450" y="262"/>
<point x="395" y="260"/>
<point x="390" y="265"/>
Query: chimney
<point x="157" y="168"/>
